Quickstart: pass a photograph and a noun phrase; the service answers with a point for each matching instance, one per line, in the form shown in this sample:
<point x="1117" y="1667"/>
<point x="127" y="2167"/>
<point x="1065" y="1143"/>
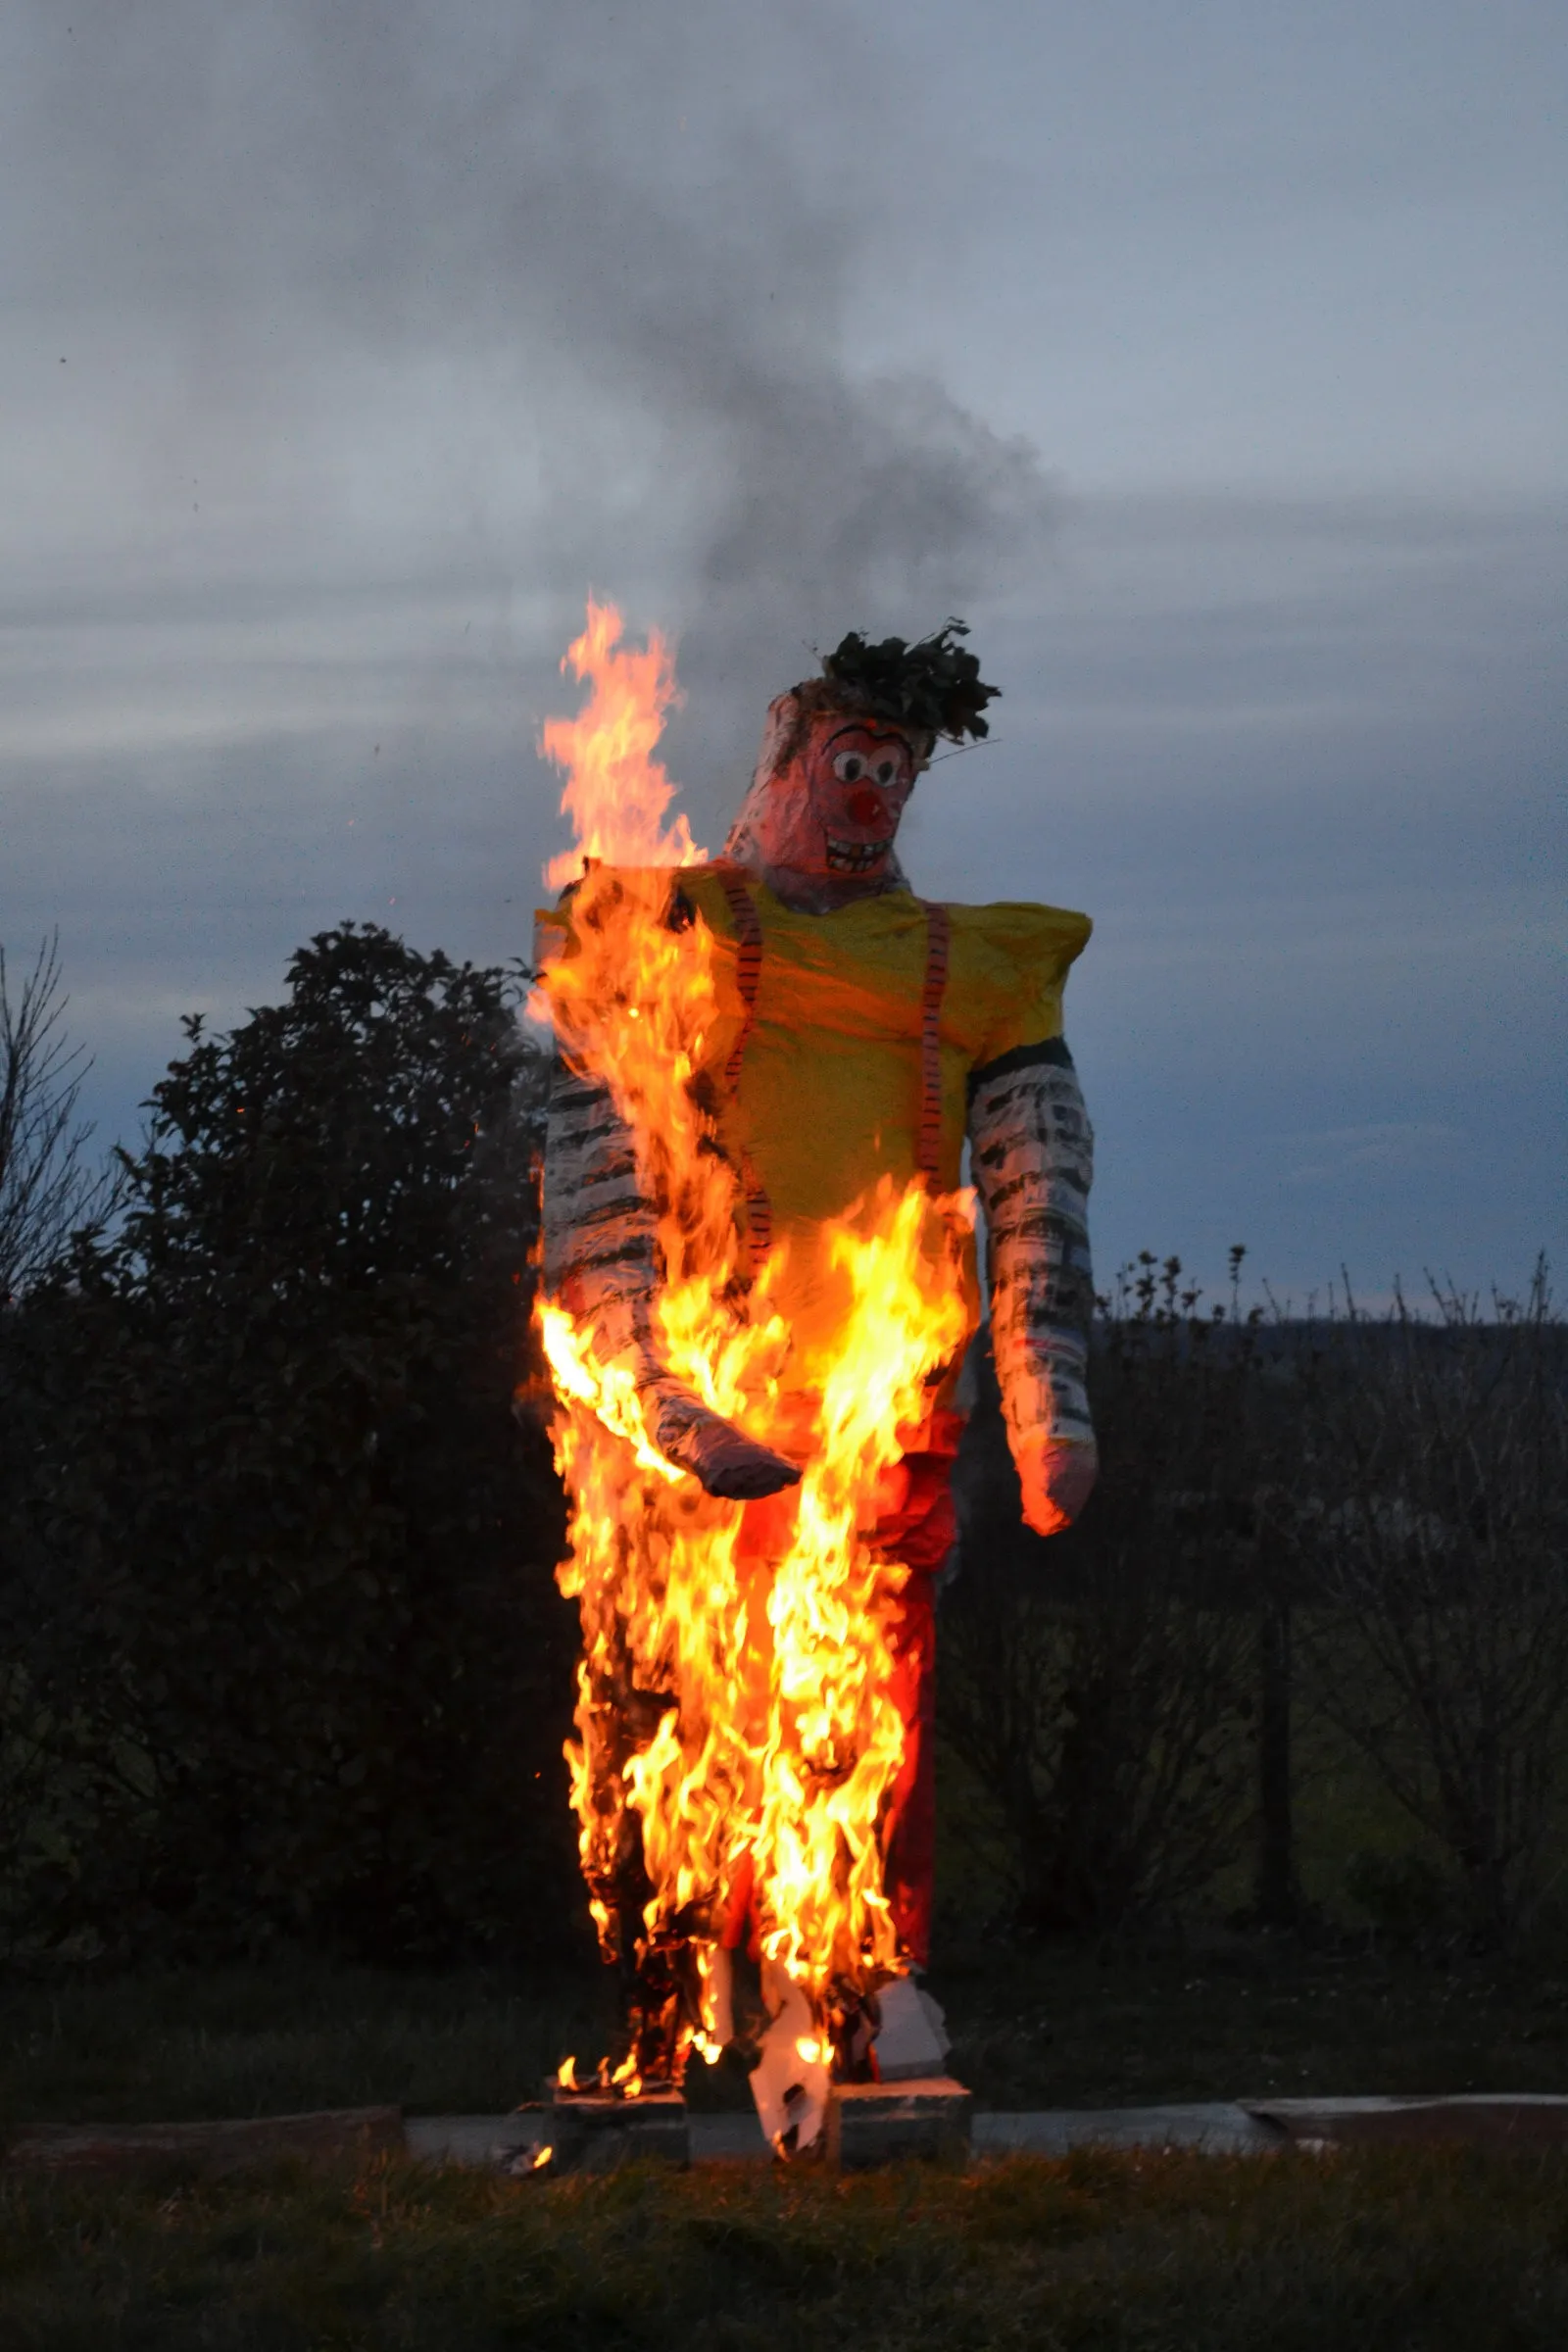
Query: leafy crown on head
<point x="933" y="686"/>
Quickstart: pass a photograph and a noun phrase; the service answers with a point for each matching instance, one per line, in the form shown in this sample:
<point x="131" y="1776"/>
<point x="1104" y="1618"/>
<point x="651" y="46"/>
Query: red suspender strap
<point x="748" y="972"/>
<point x="928" y="1136"/>
<point x="747" y="962"/>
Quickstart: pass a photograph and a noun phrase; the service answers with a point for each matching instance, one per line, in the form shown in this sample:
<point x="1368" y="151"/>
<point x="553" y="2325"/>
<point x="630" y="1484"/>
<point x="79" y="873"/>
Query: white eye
<point x="848" y="766"/>
<point x="886" y="771"/>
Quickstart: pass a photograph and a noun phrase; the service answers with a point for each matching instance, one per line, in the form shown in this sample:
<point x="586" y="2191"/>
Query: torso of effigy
<point x="823" y="1097"/>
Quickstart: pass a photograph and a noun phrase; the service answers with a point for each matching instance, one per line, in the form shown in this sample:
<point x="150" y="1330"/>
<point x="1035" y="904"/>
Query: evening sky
<point x="1210" y="361"/>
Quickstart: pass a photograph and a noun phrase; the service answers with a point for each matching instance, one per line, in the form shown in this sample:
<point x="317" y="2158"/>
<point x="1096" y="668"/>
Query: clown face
<point x="832" y="813"/>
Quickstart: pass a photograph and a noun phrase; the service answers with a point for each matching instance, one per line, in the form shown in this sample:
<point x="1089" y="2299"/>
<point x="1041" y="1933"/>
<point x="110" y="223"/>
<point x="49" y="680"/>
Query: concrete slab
<point x="1219" y="2128"/>
<point x="486" y="2140"/>
<point x="1475" y="2118"/>
<point x="1249" y="2128"/>
<point x="480" y="2140"/>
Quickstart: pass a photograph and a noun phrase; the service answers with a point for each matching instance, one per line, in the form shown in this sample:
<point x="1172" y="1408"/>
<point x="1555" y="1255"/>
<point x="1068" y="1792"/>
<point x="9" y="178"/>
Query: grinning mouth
<point x="854" y="857"/>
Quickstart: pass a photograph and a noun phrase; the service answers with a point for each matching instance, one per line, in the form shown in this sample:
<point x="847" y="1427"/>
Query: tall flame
<point x="616" y="793"/>
<point x="734" y="1687"/>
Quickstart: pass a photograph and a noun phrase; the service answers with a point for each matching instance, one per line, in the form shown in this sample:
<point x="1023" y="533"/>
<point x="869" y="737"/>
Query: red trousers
<point x="921" y="1534"/>
<point x="918" y="1527"/>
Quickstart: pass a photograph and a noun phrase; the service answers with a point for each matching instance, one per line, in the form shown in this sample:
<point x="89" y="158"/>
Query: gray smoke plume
<point x="588" y="271"/>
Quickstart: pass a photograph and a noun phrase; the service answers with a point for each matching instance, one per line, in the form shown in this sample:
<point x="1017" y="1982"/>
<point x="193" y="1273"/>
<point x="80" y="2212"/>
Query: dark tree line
<point x="1359" y="1522"/>
<point x="1431" y="1532"/>
<point x="280" y="1646"/>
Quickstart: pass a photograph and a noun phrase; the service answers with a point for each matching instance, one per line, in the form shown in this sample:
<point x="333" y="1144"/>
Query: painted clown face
<point x="831" y="813"/>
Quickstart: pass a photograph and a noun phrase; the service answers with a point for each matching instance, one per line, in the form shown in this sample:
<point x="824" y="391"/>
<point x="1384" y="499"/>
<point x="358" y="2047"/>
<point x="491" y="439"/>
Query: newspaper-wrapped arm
<point x="1032" y="1151"/>
<point x="602" y="1261"/>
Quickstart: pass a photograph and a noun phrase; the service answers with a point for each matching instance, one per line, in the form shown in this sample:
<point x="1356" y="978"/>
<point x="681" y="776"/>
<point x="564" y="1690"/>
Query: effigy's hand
<point x="726" y="1463"/>
<point x="1057" y="1477"/>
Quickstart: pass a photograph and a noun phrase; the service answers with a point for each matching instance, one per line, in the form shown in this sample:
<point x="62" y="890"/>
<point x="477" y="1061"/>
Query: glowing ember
<point x="738" y="1740"/>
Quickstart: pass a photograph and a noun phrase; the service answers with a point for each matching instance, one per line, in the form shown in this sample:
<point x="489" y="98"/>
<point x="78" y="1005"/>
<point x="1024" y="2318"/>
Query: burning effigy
<point x="759" y="1285"/>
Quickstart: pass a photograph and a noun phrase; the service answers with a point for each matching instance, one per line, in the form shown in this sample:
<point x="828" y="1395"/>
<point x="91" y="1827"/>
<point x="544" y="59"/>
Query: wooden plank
<point x="596" y="2132"/>
<point x="887" y="2122"/>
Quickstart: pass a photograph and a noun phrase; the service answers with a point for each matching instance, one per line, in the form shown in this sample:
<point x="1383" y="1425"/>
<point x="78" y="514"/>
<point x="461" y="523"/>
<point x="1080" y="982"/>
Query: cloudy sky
<point x="1210" y="361"/>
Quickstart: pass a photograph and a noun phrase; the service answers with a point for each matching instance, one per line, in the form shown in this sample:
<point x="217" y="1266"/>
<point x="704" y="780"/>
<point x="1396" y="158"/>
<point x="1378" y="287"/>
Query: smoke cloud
<point x="571" y="289"/>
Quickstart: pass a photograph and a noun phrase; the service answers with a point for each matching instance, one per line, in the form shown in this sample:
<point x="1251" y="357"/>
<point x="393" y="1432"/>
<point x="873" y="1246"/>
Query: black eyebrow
<point x="881" y="731"/>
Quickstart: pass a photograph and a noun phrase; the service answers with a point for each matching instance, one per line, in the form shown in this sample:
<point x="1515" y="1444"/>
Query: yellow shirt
<point x="829" y="1094"/>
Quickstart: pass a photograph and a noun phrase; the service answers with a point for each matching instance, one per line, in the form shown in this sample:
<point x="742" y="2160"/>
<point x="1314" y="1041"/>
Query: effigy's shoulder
<point x="1008" y="968"/>
<point x="1026" y="934"/>
<point x="599" y="894"/>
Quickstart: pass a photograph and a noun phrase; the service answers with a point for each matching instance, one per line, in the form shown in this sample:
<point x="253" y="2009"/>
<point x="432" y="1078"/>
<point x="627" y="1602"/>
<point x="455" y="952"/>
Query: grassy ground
<point x="1238" y="2016"/>
<point x="1044" y="2029"/>
<point x="1400" y="2248"/>
<point x="1194" y="2254"/>
<point x="294" y="2034"/>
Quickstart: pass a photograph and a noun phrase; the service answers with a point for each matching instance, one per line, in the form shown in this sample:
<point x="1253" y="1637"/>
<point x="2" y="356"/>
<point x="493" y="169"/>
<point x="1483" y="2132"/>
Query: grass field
<point x="1195" y="2254"/>
<point x="1407" y="2249"/>
<point x="1055" y="2028"/>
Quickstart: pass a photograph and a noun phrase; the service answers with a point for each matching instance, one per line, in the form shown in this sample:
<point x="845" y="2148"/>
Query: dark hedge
<point x="282" y="1651"/>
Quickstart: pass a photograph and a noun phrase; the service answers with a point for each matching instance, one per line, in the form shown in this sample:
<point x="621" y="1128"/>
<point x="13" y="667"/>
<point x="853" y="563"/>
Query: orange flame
<point x="616" y="793"/>
<point x="757" y="1642"/>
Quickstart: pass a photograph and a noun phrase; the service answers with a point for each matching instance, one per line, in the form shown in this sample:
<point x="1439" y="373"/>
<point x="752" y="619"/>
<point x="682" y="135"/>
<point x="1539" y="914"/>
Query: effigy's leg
<point x="625" y="1707"/>
<point x="657" y="1969"/>
<point x="765" y="1532"/>
<point x="920" y="1536"/>
<point x="910" y="1828"/>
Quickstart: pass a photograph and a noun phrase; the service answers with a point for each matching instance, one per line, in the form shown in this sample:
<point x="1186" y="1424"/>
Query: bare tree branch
<point x="47" y="1189"/>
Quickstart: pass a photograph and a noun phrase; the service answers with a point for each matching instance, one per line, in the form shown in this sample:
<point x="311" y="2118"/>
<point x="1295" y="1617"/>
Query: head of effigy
<point x="831" y="805"/>
<point x="838" y="759"/>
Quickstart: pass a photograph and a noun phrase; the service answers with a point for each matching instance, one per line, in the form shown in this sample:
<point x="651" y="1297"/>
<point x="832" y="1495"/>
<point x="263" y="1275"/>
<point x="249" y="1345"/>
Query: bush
<point x="1100" y="1686"/>
<point x="1432" y="1524"/>
<point x="284" y="1650"/>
